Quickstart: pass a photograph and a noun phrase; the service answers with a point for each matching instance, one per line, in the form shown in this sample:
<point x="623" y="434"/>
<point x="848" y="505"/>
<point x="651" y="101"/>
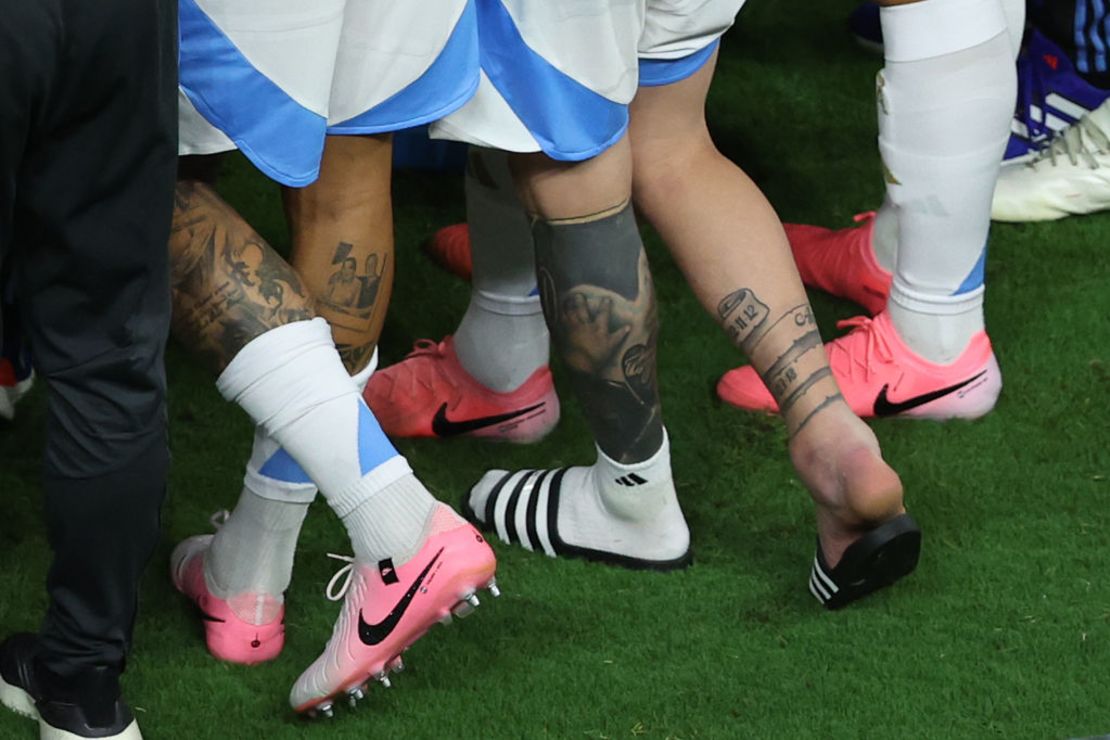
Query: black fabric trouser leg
<point x="87" y="164"/>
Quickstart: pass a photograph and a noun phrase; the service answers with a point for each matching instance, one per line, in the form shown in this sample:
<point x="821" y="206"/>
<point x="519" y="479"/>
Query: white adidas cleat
<point x="1070" y="176"/>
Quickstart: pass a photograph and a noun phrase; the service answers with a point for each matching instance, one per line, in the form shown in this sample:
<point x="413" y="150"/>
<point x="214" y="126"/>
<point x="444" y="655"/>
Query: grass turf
<point x="1003" y="631"/>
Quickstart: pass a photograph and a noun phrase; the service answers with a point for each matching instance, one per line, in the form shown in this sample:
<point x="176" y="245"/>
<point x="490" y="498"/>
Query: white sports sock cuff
<point x="300" y="367"/>
<point x="275" y="490"/>
<point x="933" y="28"/>
<point x="364" y="489"/>
<point x="662" y="454"/>
<point x="362" y="377"/>
<point x="506" y="305"/>
<point x="936" y="305"/>
<point x="262" y="451"/>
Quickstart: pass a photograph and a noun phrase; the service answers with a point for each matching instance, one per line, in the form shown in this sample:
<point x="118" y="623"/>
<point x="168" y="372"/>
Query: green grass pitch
<point x="1004" y="631"/>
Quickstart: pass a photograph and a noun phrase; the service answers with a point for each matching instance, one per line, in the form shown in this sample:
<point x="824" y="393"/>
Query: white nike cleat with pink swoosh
<point x="387" y="607"/>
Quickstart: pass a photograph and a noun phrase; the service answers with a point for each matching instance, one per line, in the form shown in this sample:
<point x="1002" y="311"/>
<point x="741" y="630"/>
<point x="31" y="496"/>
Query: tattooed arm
<point x="228" y="285"/>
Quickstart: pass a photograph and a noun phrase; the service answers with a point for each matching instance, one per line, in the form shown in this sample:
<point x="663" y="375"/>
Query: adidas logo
<point x="631" y="480"/>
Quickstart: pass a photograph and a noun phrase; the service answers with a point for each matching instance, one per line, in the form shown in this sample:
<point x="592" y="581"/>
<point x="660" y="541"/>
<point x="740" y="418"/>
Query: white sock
<point x="502" y="338"/>
<point x="885" y="234"/>
<point x="250" y="560"/>
<point x="627" y="510"/>
<point x="946" y="96"/>
<point x="291" y="382"/>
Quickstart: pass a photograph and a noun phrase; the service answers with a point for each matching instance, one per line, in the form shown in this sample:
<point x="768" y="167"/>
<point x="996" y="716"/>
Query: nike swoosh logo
<point x="444" y="427"/>
<point x="372" y="634"/>
<point x="885" y="407"/>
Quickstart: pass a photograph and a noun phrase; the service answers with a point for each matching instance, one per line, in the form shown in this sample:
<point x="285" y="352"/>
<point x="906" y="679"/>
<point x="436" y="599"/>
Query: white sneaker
<point x="1070" y="176"/>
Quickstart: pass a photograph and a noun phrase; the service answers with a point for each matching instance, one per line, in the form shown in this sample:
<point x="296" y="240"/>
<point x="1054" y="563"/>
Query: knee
<point x="662" y="165"/>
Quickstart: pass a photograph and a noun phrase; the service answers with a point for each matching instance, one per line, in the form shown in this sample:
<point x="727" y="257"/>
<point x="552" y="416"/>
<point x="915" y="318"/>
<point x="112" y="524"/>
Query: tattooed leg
<point x="342" y="227"/>
<point x="228" y="285"/>
<point x="599" y="302"/>
<point x="731" y="246"/>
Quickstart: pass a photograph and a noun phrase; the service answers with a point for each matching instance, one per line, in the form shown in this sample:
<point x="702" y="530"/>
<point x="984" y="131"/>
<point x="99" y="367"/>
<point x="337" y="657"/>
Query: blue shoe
<point x="865" y="27"/>
<point x="1051" y="97"/>
<point x="16" y="375"/>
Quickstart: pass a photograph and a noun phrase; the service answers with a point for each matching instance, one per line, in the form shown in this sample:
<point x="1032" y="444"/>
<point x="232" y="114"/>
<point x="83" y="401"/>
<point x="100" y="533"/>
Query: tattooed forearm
<point x="228" y="285"/>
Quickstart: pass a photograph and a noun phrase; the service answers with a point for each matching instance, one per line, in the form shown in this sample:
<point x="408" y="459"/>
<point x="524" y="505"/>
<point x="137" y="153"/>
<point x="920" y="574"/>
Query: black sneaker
<point x="85" y="705"/>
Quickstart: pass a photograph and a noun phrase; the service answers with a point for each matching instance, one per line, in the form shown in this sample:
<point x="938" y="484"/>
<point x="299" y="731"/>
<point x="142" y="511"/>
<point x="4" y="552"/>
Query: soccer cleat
<point x="450" y="249"/>
<point x="842" y="262"/>
<point x="388" y="607"/>
<point x="84" y="705"/>
<point x="865" y="26"/>
<point x="1070" y="176"/>
<point x="430" y="394"/>
<point x="880" y="376"/>
<point x="1051" y="96"/>
<point x="228" y="636"/>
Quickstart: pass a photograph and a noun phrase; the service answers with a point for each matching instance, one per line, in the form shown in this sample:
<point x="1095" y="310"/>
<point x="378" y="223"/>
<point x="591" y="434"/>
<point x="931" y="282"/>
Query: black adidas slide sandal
<point x="884" y="555"/>
<point x="537" y="491"/>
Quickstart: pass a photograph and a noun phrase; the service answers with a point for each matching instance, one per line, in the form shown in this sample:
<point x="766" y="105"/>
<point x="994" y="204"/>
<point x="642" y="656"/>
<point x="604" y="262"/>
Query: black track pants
<point x="87" y="163"/>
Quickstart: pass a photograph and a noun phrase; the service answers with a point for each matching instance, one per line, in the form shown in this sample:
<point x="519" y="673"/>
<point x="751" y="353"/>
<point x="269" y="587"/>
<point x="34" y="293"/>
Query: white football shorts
<point x="557" y="75"/>
<point x="273" y="77"/>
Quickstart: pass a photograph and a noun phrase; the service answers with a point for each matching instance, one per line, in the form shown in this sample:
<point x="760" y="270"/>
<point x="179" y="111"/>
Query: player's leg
<point x="738" y="263"/>
<point x="944" y="102"/>
<point x="600" y="307"/>
<point x="491" y="377"/>
<point x="91" y="284"/>
<point x="342" y="229"/>
<point x="239" y="305"/>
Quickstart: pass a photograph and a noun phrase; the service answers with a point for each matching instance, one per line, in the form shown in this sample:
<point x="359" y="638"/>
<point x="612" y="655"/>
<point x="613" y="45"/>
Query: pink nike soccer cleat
<point x="429" y="394"/>
<point x="841" y="262"/>
<point x="880" y="376"/>
<point x="247" y="629"/>
<point x="388" y="607"/>
<point x="449" y="248"/>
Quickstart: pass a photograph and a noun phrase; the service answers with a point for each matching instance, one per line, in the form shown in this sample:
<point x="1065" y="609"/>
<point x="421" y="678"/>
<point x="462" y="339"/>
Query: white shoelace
<point x="342" y="577"/>
<point x="1081" y="140"/>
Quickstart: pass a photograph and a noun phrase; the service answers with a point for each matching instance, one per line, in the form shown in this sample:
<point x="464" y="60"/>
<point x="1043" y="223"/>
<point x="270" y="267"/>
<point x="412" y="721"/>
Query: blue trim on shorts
<point x="287" y="142"/>
<point x="659" y="72"/>
<point x="568" y="120"/>
<point x="453" y="77"/>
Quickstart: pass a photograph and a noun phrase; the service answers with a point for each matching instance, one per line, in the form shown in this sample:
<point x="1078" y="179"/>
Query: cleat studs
<point x="397" y="665"/>
<point x="326" y="710"/>
<point x="354" y="696"/>
<point x="494" y="591"/>
<point x="383" y="679"/>
<point x="472" y="599"/>
<point x="462" y="609"/>
<point x="445" y="620"/>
